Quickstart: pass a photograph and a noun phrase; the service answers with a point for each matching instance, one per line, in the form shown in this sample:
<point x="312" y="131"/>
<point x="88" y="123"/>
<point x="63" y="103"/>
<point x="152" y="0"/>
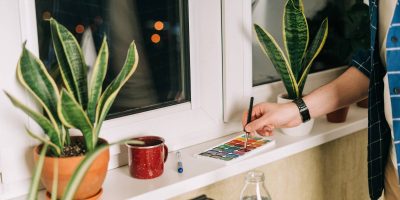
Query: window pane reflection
<point x="159" y="30"/>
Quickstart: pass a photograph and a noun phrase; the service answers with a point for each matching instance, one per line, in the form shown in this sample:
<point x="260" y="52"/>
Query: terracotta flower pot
<point x="92" y="182"/>
<point x="363" y="103"/>
<point x="338" y="116"/>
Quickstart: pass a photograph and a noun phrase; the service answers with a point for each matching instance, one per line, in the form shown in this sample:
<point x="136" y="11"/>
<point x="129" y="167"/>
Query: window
<point x="159" y="28"/>
<point x="348" y="32"/>
<point x="193" y="119"/>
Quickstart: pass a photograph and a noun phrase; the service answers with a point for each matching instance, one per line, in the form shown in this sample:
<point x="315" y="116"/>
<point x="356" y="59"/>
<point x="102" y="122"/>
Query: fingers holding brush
<point x="266" y="130"/>
<point x="255" y="120"/>
<point x="265" y="117"/>
<point x="261" y="125"/>
<point x="256" y="112"/>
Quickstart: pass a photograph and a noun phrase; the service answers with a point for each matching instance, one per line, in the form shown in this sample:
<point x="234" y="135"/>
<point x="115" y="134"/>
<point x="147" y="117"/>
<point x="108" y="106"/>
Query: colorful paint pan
<point x="234" y="149"/>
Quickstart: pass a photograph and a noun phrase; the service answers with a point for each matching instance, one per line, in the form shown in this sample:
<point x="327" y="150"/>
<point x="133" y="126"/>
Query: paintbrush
<point x="248" y="121"/>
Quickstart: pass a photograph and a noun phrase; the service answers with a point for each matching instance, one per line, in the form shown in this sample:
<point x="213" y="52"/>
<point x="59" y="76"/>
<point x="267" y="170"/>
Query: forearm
<point x="348" y="88"/>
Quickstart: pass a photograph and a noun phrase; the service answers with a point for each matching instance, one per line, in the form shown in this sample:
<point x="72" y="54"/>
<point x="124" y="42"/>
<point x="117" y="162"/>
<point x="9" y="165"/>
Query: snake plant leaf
<point x="96" y="81"/>
<point x="41" y="120"/>
<point x="33" y="75"/>
<point x="108" y="97"/>
<point x="54" y="187"/>
<point x="47" y="141"/>
<point x="313" y="51"/>
<point x="80" y="172"/>
<point x="33" y="189"/>
<point x="66" y="136"/>
<point x="85" y="164"/>
<point x="73" y="116"/>
<point x="295" y="34"/>
<point x="71" y="62"/>
<point x="278" y="59"/>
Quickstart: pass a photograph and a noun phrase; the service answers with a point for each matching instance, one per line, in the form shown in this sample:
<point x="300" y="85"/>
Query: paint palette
<point x="233" y="150"/>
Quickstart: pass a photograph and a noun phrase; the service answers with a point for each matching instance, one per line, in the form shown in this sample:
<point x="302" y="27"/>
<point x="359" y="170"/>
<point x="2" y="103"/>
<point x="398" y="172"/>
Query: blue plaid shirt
<point x="369" y="63"/>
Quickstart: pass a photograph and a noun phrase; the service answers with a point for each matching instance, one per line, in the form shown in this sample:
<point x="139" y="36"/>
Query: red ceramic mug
<point x="146" y="161"/>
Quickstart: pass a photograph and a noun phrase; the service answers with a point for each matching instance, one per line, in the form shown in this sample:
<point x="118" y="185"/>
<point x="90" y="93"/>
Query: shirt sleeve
<point x="362" y="61"/>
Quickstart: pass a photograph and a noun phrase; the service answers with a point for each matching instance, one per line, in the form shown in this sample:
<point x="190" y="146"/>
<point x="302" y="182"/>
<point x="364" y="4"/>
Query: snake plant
<point x="295" y="65"/>
<point x="79" y="104"/>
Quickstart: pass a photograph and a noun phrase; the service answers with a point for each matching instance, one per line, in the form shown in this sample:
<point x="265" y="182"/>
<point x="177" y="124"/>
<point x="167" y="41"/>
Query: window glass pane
<point x="159" y="28"/>
<point x="348" y="32"/>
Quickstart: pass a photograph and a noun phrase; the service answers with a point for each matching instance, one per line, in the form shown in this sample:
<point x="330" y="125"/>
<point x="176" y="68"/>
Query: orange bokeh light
<point x="79" y="28"/>
<point x="159" y="25"/>
<point x="155" y="38"/>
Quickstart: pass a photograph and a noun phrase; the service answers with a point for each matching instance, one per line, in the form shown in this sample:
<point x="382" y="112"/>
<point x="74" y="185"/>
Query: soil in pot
<point x="77" y="148"/>
<point x="92" y="181"/>
<point x="338" y="116"/>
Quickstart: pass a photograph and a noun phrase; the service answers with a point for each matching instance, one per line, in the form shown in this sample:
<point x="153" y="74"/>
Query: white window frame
<point x="237" y="47"/>
<point x="237" y="57"/>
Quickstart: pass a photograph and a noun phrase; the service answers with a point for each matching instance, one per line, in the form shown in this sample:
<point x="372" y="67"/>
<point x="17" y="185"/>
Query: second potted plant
<point x="295" y="65"/>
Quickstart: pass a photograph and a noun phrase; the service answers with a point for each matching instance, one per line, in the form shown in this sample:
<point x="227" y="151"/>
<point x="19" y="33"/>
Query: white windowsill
<point x="199" y="173"/>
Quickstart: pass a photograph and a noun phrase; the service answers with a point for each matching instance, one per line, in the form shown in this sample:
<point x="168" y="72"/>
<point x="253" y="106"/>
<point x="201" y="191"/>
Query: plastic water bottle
<point x="254" y="188"/>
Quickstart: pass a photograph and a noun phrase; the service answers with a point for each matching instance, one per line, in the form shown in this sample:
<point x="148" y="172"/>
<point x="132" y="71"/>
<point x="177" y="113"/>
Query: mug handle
<point x="165" y="153"/>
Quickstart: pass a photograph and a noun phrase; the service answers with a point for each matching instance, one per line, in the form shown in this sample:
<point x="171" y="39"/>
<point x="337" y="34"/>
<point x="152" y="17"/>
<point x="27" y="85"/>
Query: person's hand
<point x="267" y="116"/>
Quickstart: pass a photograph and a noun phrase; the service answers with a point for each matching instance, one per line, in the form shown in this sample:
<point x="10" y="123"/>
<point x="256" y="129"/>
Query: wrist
<point x="293" y="114"/>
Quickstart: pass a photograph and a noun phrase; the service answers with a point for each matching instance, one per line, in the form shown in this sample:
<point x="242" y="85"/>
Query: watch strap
<point x="303" y="109"/>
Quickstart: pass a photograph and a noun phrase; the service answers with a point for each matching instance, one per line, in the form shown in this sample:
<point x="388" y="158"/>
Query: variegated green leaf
<point x="71" y="62"/>
<point x="54" y="187"/>
<point x="43" y="122"/>
<point x="313" y="51"/>
<point x="72" y="115"/>
<point x="34" y="187"/>
<point x="47" y="141"/>
<point x="84" y="165"/>
<point x="272" y="50"/>
<point x="80" y="172"/>
<point x="108" y="97"/>
<point x="96" y="81"/>
<point x="295" y="35"/>
<point x="33" y="75"/>
<point x="66" y="136"/>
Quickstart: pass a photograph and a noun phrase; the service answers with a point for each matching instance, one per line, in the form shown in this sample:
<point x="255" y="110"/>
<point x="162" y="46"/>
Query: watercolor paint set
<point x="233" y="150"/>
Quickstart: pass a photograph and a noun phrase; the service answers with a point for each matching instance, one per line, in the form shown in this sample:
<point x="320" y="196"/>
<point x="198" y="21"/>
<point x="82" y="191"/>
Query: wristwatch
<point x="304" y="113"/>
